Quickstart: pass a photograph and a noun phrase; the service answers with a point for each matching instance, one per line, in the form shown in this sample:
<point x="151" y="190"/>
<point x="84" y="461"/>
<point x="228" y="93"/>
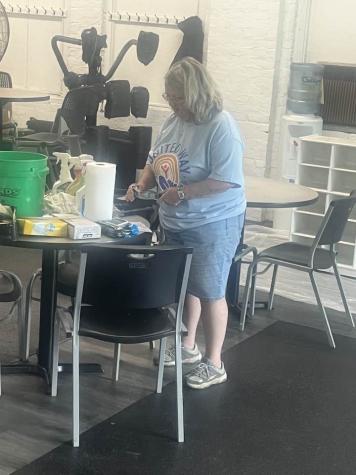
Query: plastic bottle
<point x="65" y="177"/>
<point x="79" y="170"/>
<point x="78" y="189"/>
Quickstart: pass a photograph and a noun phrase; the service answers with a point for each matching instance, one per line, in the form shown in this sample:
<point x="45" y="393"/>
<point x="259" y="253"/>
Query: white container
<point x="294" y="126"/>
<point x="99" y="190"/>
<point x="82" y="228"/>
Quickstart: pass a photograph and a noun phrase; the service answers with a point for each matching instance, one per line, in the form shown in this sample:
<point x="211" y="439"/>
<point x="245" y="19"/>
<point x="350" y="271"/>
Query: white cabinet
<point x="328" y="165"/>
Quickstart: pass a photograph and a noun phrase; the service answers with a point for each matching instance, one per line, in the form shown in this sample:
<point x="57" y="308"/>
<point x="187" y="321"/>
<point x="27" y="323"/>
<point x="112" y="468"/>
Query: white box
<point x="82" y="228"/>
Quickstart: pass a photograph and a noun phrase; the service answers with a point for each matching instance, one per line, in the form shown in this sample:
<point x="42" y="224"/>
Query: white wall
<point x="332" y="32"/>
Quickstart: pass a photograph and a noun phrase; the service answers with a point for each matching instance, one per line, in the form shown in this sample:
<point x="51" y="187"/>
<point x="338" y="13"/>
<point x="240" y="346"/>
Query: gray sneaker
<point x="205" y="375"/>
<point x="188" y="356"/>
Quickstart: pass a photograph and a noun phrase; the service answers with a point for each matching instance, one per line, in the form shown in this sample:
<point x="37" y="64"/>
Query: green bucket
<point x="23" y="181"/>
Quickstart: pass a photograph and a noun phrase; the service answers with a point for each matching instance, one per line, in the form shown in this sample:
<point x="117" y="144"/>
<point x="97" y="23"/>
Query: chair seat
<point x="67" y="278"/>
<point x="10" y="289"/>
<point x="135" y="326"/>
<point x="298" y="254"/>
<point x="50" y="138"/>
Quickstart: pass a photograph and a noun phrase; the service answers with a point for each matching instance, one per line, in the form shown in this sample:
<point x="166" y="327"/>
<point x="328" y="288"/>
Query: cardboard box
<point x="82" y="228"/>
<point x="46" y="226"/>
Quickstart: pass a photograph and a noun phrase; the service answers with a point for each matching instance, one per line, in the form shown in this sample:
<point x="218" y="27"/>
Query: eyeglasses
<point x="171" y="98"/>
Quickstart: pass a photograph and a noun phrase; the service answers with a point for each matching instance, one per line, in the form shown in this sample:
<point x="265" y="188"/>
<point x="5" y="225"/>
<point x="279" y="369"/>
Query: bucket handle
<point x="40" y="174"/>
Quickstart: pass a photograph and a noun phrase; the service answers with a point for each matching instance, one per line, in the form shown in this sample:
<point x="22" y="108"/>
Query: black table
<point x="50" y="248"/>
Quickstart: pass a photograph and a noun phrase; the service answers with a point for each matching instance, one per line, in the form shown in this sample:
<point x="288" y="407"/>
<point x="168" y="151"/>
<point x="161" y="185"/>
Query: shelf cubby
<point x="345" y="254"/>
<point x="349" y="235"/>
<point x="316" y="154"/>
<point x="306" y="223"/>
<point x="342" y="181"/>
<point x="314" y="177"/>
<point x="344" y="157"/>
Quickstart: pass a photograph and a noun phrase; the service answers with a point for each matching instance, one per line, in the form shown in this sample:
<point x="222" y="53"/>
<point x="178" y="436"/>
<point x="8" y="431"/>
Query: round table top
<point x="14" y="94"/>
<point x="269" y="193"/>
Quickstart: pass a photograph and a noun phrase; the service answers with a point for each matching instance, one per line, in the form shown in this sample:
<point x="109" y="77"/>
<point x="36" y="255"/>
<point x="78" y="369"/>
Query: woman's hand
<point x="170" y="197"/>
<point x="132" y="190"/>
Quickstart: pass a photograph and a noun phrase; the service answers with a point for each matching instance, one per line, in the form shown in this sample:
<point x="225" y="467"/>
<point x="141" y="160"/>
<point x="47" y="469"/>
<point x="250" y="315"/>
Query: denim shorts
<point x="214" y="247"/>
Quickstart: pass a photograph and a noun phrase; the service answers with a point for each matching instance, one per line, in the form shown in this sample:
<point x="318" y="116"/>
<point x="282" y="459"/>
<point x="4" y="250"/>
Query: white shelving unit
<point x="327" y="164"/>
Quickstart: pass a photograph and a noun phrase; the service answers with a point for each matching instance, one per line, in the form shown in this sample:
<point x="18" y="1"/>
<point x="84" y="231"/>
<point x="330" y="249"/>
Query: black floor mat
<point x="288" y="408"/>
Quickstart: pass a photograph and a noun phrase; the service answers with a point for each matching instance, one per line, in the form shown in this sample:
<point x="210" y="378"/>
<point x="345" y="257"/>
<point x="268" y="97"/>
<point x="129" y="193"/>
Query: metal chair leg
<point x="322" y="309"/>
<point x="116" y="367"/>
<point x="179" y="386"/>
<point x="22" y="333"/>
<point x="342" y="293"/>
<point x="246" y="297"/>
<point x="162" y="349"/>
<point x="273" y="284"/>
<point x="75" y="343"/>
<point x="253" y="289"/>
<point x="28" y="313"/>
<point x="55" y="358"/>
<point x="253" y="283"/>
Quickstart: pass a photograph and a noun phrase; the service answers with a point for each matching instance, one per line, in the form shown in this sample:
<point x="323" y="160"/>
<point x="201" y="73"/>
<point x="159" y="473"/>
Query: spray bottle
<point x="79" y="189"/>
<point x="79" y="170"/>
<point x="65" y="178"/>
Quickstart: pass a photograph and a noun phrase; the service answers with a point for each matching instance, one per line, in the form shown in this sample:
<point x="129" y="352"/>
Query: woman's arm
<point x="205" y="187"/>
<point x="196" y="190"/>
<point x="146" y="181"/>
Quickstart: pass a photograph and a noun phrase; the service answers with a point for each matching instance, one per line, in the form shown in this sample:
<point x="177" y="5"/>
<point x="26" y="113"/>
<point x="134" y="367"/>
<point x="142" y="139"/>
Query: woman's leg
<point x="192" y="310"/>
<point x="214" y="317"/>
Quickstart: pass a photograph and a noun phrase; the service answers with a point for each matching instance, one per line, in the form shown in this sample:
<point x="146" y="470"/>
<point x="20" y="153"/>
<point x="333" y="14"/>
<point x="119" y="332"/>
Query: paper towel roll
<point x="99" y="190"/>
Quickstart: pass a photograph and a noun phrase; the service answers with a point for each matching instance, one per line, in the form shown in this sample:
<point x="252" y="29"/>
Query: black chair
<point x="320" y="255"/>
<point x="132" y="294"/>
<point x="5" y="79"/>
<point x="69" y="124"/>
<point x="11" y="291"/>
<point x="8" y="124"/>
<point x="241" y="253"/>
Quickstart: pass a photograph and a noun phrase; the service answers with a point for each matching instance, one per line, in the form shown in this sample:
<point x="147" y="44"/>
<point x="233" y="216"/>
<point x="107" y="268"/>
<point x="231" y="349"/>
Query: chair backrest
<point x="139" y="277"/>
<point x="335" y="220"/>
<point x="5" y="79"/>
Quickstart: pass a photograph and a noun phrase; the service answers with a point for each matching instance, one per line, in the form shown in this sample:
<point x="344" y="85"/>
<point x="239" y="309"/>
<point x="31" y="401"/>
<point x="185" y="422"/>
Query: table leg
<point x="48" y="308"/>
<point x="47" y="315"/>
<point x="46" y="331"/>
<point x="47" y="319"/>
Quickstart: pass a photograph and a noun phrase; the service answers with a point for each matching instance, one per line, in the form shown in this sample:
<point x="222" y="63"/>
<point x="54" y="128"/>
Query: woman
<point x="196" y="163"/>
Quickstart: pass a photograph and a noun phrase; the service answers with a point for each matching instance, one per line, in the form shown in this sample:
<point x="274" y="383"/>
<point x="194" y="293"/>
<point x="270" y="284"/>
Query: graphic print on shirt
<point x="168" y="165"/>
<point x="166" y="170"/>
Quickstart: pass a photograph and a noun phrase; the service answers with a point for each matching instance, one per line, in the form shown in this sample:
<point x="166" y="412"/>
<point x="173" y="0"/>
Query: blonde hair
<point x="193" y="82"/>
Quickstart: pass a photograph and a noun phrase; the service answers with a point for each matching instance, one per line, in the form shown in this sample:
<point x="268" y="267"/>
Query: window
<point x="339" y="106"/>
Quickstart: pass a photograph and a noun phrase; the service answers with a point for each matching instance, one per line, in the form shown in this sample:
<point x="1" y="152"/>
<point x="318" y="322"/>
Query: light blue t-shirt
<point x="186" y="153"/>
